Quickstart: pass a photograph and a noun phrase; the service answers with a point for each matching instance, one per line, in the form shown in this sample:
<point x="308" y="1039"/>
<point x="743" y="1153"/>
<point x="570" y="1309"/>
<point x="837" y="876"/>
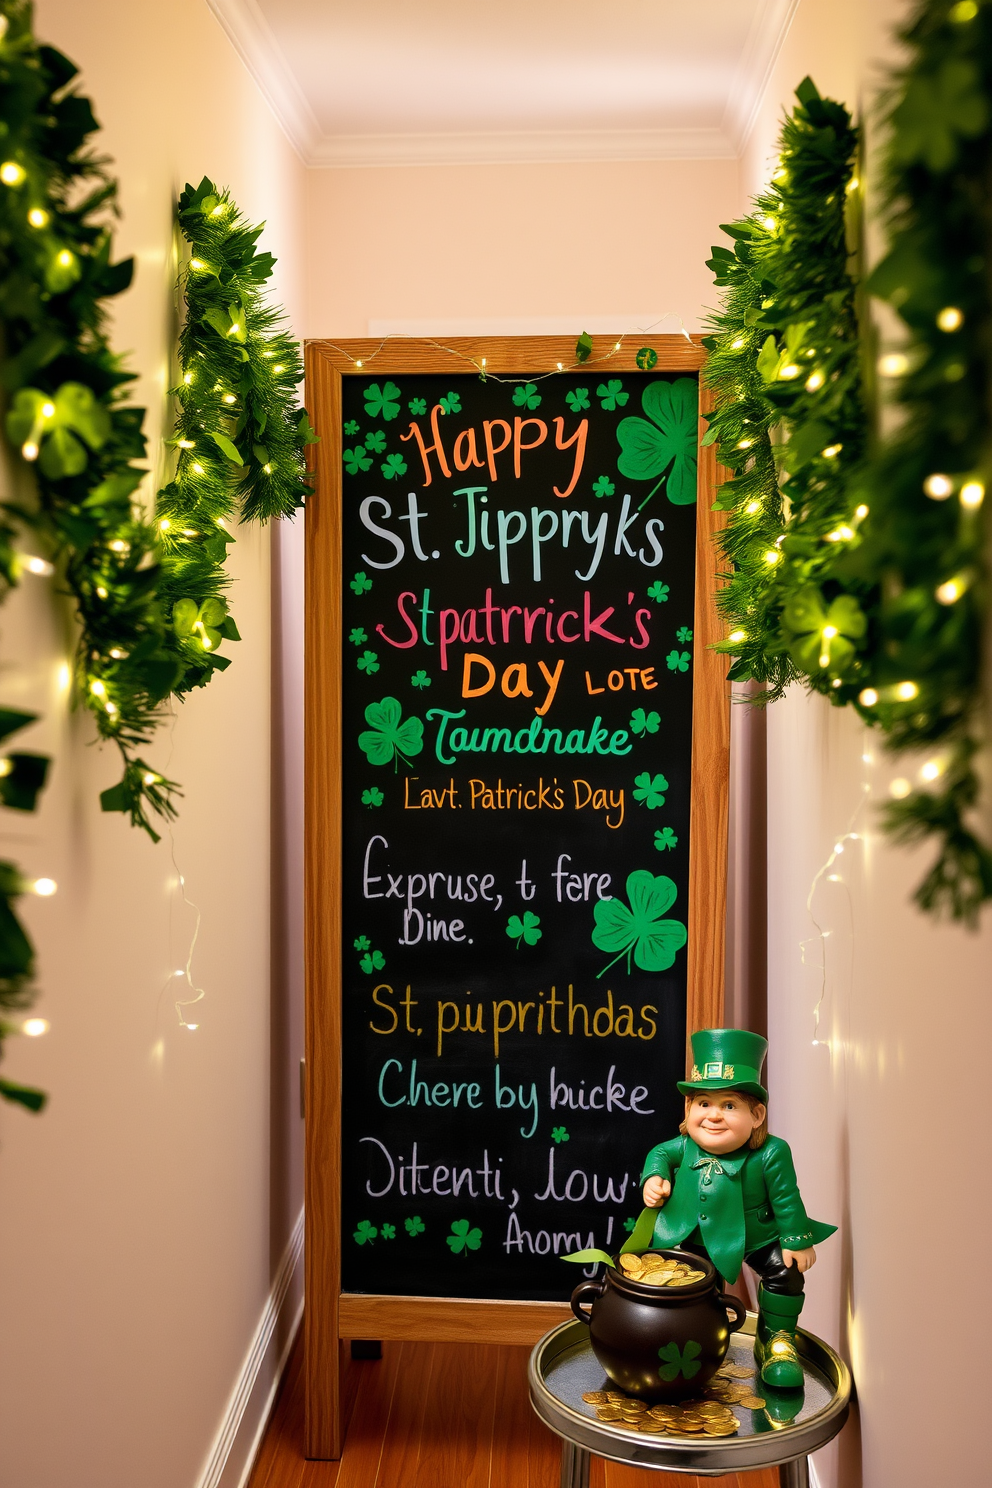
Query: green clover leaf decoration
<point x="937" y="110"/>
<point x="527" y="396"/>
<point x="382" y="402"/>
<point x="358" y="636"/>
<point x="678" y="661"/>
<point x="665" y="838"/>
<point x="417" y="406"/>
<point x="420" y="679"/>
<point x="372" y="961"/>
<point x="559" y="1134"/>
<point x="361" y="583"/>
<point x="351" y="428"/>
<point x="368" y="662"/>
<point x="640" y="930"/>
<point x="414" y="1225"/>
<point x="611" y="396"/>
<point x="387" y="739"/>
<point x="451" y="403"/>
<point x="578" y="399"/>
<point x="683" y="634"/>
<point x="392" y="466"/>
<point x="463" y="1239"/>
<point x="366" y="1233"/>
<point x="659" y="592"/>
<point x="821" y="638"/>
<point x="583" y="348"/>
<point x="644" y="723"/>
<point x="603" y="487"/>
<point x="362" y="943"/>
<point x="373" y="796"/>
<point x="388" y="1232"/>
<point x="650" y="790"/>
<point x="356" y="459"/>
<point x="375" y="442"/>
<point x="647" y="359"/>
<point x="663" y="442"/>
<point x="629" y="1224"/>
<point x="52" y="421"/>
<point x="679" y="1361"/>
<point x="524" y="929"/>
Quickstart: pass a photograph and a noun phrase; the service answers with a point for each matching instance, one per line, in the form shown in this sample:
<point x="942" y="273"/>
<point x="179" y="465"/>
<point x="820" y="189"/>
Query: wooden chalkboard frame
<point x="330" y="1315"/>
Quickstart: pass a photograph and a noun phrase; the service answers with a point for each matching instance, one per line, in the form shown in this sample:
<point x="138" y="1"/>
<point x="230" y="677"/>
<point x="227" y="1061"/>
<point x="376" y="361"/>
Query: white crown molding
<point x="252" y="38"/>
<point x="232" y="1454"/>
<point x="765" y="39"/>
<point x="518" y="147"/>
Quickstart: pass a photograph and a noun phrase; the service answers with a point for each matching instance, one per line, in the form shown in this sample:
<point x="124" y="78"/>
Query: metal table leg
<point x="791" y="1474"/>
<point x="575" y="1466"/>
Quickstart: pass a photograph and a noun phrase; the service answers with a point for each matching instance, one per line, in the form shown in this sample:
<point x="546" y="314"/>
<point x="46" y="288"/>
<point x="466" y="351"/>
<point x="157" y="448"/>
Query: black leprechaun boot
<point x="775" y="1340"/>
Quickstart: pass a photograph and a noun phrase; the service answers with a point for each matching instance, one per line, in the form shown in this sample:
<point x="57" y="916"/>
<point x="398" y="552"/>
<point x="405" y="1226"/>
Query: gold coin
<point x="753" y="1402"/>
<point x="635" y="1405"/>
<point x="721" y="1428"/>
<point x="630" y="1262"/>
<point x="691" y="1426"/>
<point x="615" y="1397"/>
<point x="652" y="1261"/>
<point x="697" y="1275"/>
<point x="653" y="1278"/>
<point x="648" y="1424"/>
<point x="608" y="1412"/>
<point x="595" y="1397"/>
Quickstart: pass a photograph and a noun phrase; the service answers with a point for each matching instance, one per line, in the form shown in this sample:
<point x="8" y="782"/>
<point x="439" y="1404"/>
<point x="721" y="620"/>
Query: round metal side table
<point x="793" y="1424"/>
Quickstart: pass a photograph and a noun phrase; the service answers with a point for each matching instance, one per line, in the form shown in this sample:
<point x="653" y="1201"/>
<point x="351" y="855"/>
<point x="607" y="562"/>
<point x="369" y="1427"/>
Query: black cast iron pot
<point x="659" y="1343"/>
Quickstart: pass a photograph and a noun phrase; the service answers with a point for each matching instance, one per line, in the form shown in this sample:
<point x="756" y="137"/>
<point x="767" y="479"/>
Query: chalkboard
<point x="514" y="656"/>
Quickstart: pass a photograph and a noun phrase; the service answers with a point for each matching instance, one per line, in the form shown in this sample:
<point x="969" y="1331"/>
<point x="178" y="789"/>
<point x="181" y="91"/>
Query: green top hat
<point x="727" y="1059"/>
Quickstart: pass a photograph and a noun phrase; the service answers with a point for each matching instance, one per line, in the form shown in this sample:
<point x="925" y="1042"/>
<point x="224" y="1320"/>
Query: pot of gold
<point x="658" y="1323"/>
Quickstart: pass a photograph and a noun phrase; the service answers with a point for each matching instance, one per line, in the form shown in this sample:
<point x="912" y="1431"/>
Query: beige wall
<point x="142" y="1216"/>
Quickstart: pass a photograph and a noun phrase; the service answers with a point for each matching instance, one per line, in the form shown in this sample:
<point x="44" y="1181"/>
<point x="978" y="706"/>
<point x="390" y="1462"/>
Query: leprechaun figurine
<point x="735" y="1195"/>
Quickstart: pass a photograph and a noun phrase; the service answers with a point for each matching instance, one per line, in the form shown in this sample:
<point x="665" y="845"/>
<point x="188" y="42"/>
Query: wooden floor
<point x="441" y="1415"/>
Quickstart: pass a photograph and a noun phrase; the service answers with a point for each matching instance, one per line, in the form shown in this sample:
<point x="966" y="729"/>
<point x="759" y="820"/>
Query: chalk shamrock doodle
<point x="678" y="661"/>
<point x="629" y="1224"/>
<point x="578" y="400"/>
<point x="663" y="442"/>
<point x="420" y="680"/>
<point x="683" y="634"/>
<point x="362" y="942"/>
<point x="641" y="930"/>
<point x="358" y="636"/>
<point x="375" y="442"/>
<point x="388" y="1232"/>
<point x="644" y="723"/>
<point x="683" y="1361"/>
<point x="417" y="405"/>
<point x="382" y="402"/>
<point x="658" y="592"/>
<point x="366" y="1232"/>
<point x="386" y="738"/>
<point x="665" y="838"/>
<point x="351" y="428"/>
<point x="559" y="1134"/>
<point x="356" y="459"/>
<point x="372" y="961"/>
<point x="527" y="396"/>
<point x="611" y="396"/>
<point x="463" y="1239"/>
<point x="368" y="662"/>
<point x="524" y="929"/>
<point x="451" y="403"/>
<point x="414" y="1226"/>
<point x="373" y="796"/>
<point x="650" y="790"/>
<point x="603" y="486"/>
<point x="361" y="583"/>
<point x="393" y="465"/>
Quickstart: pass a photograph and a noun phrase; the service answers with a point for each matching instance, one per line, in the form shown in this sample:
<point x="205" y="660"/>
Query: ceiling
<point x="405" y="82"/>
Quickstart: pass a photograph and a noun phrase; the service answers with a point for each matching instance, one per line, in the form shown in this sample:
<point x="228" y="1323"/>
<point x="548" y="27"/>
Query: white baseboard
<point x="232" y="1455"/>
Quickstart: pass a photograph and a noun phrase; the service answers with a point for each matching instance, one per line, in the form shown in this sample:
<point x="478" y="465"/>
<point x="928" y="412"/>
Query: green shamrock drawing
<point x="821" y="638"/>
<point x="524" y="929"/>
<point x="611" y="396"/>
<point x="527" y="396"/>
<point x="365" y="1234"/>
<point x="386" y="738"/>
<point x="462" y="1239"/>
<point x="658" y="592"/>
<point x="451" y="403"/>
<point x="388" y="1232"/>
<point x="382" y="402"/>
<point x="356" y="459"/>
<point x="650" y="790"/>
<point x="644" y="723"/>
<point x="559" y="1134"/>
<point x="368" y="662"/>
<point x="665" y="838"/>
<point x="417" y="405"/>
<point x="414" y="1225"/>
<point x="375" y="442"/>
<point x="358" y="636"/>
<point x="684" y="1361"/>
<point x="938" y="109"/>
<point x="647" y="358"/>
<point x="361" y="583"/>
<point x="372" y="961"/>
<point x="683" y="634"/>
<point x="640" y="931"/>
<point x="392" y="466"/>
<point x="351" y="428"/>
<point x="678" y="661"/>
<point x="362" y="943"/>
<point x="578" y="400"/>
<point x="420" y="679"/>
<point x="629" y="1224"/>
<point x="665" y="441"/>
<point x="373" y="796"/>
<point x="603" y="487"/>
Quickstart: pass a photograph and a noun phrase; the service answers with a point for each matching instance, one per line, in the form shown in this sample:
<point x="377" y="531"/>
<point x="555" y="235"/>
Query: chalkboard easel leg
<point x="791" y="1474"/>
<point x="574" y="1466"/>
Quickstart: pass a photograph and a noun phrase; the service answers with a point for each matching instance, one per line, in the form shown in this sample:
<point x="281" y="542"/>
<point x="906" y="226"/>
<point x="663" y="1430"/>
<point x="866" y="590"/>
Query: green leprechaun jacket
<point x="737" y="1202"/>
